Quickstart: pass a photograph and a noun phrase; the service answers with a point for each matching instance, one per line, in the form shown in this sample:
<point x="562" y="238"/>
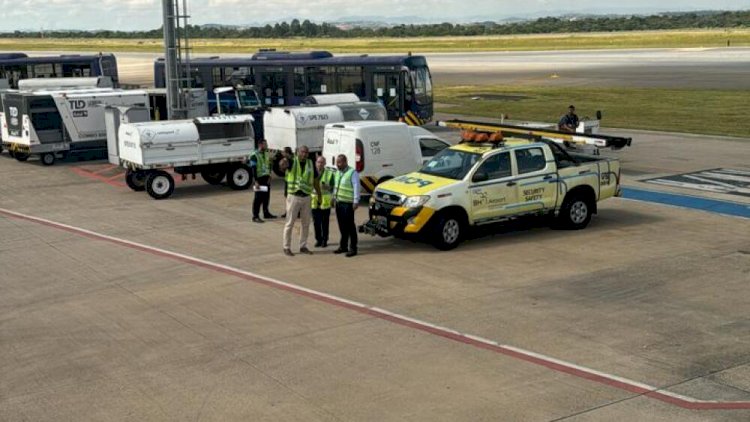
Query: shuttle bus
<point x="17" y="66"/>
<point x="403" y="84"/>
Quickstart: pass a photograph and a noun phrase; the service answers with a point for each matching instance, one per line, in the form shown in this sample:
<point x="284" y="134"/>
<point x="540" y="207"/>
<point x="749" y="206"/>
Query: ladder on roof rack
<point x="599" y="141"/>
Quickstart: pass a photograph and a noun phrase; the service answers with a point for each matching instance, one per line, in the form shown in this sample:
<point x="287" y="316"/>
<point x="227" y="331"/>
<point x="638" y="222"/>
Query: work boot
<point x="305" y="251"/>
<point x="340" y="251"/>
<point x="318" y="244"/>
<point x="351" y="253"/>
<point x="288" y="252"/>
<point x="269" y="216"/>
<point x="257" y="220"/>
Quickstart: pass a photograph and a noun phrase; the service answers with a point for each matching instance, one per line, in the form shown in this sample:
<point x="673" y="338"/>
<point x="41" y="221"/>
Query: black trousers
<point x="347" y="226"/>
<point x="321" y="220"/>
<point x="262" y="198"/>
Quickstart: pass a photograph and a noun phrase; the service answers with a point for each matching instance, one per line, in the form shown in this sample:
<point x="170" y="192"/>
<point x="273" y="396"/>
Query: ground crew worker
<point x="300" y="179"/>
<point x="346" y="198"/>
<point x="321" y="202"/>
<point x="261" y="169"/>
<point x="569" y="122"/>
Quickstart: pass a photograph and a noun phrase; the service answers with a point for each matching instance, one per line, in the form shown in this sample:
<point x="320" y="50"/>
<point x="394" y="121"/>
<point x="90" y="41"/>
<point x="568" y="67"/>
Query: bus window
<point x="386" y="92"/>
<point x="299" y="82"/>
<point x="217" y="76"/>
<point x="351" y="79"/>
<point x="239" y="75"/>
<point x="422" y="85"/>
<point x="76" y="70"/>
<point x="44" y="70"/>
<point x="274" y="88"/>
<point x="321" y="80"/>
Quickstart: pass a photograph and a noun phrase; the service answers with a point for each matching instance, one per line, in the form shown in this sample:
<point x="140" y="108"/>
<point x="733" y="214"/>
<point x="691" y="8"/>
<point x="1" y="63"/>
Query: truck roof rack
<point x="599" y="141"/>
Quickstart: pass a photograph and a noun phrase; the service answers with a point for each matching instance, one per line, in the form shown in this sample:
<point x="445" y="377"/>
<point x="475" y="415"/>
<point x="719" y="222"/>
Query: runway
<point x="710" y="68"/>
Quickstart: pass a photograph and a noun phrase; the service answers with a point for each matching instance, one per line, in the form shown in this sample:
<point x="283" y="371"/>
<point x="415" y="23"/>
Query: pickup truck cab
<point x="472" y="184"/>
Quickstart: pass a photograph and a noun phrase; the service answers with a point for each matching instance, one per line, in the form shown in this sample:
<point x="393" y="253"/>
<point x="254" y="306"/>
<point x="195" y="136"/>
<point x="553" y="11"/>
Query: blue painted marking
<point x="685" y="201"/>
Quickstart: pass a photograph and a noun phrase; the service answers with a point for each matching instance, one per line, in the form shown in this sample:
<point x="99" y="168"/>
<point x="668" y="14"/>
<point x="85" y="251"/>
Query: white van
<point x="380" y="150"/>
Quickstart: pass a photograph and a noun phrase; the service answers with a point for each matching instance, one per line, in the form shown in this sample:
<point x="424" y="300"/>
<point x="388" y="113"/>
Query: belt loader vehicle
<point x="215" y="147"/>
<point x="488" y="179"/>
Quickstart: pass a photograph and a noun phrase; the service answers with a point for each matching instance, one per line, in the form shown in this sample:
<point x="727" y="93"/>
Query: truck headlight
<point x="416" y="201"/>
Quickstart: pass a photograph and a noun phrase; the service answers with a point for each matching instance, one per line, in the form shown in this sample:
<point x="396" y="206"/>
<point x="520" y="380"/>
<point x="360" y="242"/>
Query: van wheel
<point x="448" y="232"/>
<point x="136" y="180"/>
<point x="213" y="177"/>
<point x="21" y="156"/>
<point x="48" y="158"/>
<point x="159" y="185"/>
<point x="239" y="178"/>
<point x="575" y="213"/>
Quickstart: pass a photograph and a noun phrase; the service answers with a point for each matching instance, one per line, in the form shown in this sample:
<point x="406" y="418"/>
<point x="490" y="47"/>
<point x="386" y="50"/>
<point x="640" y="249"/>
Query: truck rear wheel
<point x="136" y="180"/>
<point x="213" y="177"/>
<point x="448" y="232"/>
<point x="159" y="185"/>
<point x="239" y="177"/>
<point x="48" y="158"/>
<point x="575" y="213"/>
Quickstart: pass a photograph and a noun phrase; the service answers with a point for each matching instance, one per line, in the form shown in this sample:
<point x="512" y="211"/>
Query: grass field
<point x="676" y="110"/>
<point x="646" y="39"/>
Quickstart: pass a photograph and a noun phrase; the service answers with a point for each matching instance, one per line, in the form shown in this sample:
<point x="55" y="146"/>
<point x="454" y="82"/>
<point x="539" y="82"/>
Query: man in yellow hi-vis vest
<point x="321" y="202"/>
<point x="260" y="164"/>
<point x="346" y="198"/>
<point x="300" y="179"/>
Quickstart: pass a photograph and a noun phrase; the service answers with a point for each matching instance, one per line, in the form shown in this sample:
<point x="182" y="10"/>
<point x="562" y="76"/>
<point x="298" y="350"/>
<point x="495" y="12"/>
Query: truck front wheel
<point x="239" y="178"/>
<point x="21" y="156"/>
<point x="448" y="232"/>
<point x="575" y="213"/>
<point x="159" y="185"/>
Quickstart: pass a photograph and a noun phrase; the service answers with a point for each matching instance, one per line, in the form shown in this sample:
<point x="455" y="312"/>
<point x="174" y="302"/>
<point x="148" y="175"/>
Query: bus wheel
<point x="21" y="156"/>
<point x="48" y="158"/>
<point x="239" y="177"/>
<point x="159" y="185"/>
<point x="136" y="180"/>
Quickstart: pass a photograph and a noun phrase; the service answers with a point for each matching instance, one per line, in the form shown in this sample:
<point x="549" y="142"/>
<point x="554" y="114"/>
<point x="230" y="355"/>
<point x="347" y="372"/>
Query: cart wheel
<point x="213" y="177"/>
<point x="136" y="180"/>
<point x="21" y="156"/>
<point x="239" y="178"/>
<point x="159" y="185"/>
<point x="48" y="158"/>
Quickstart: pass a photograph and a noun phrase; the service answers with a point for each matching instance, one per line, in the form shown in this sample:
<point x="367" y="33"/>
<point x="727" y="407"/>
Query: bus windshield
<point x="422" y="85"/>
<point x="451" y="164"/>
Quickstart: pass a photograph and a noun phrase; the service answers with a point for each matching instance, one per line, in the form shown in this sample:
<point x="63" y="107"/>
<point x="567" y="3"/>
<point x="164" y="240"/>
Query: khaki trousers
<point x="302" y="206"/>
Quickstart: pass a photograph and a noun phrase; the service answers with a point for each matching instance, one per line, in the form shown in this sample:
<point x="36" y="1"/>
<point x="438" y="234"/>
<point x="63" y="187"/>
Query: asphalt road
<point x="641" y="316"/>
<point x="714" y="68"/>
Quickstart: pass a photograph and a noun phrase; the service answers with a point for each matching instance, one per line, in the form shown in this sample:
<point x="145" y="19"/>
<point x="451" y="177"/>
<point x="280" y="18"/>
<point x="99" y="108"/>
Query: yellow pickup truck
<point x="472" y="184"/>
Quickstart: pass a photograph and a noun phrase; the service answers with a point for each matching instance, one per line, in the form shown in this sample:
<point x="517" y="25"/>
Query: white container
<point x="294" y="127"/>
<point x="181" y="143"/>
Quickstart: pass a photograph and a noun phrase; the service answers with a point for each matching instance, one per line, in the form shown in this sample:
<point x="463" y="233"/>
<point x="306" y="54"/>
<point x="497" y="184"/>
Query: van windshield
<point x="451" y="164"/>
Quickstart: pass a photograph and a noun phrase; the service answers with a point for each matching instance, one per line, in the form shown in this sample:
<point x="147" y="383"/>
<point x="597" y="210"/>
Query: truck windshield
<point x="451" y="164"/>
<point x="248" y="98"/>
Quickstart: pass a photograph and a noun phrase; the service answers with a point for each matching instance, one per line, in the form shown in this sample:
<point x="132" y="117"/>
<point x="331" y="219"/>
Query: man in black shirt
<point x="569" y="122"/>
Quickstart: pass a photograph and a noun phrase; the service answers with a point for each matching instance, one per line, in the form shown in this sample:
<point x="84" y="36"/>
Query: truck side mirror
<point x="480" y="177"/>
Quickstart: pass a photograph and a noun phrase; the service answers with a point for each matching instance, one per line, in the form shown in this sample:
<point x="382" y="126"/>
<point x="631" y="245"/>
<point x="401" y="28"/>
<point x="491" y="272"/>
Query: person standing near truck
<point x="346" y="198"/>
<point x="569" y="122"/>
<point x="261" y="169"/>
<point x="300" y="179"/>
<point x="321" y="202"/>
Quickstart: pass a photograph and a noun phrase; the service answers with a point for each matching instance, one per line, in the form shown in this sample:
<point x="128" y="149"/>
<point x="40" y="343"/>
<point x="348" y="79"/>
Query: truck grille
<point x="389" y="198"/>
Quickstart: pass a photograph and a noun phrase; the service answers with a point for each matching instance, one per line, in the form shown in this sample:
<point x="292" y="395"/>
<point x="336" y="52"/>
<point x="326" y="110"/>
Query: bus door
<point x="274" y="86"/>
<point x="386" y="90"/>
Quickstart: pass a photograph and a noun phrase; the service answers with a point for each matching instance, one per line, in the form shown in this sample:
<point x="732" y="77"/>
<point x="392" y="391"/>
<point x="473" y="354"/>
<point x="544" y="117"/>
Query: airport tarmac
<point x="114" y="306"/>
<point x="709" y="68"/>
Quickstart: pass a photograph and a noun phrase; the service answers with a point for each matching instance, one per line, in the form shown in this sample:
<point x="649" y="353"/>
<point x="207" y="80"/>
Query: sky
<point x="146" y="14"/>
